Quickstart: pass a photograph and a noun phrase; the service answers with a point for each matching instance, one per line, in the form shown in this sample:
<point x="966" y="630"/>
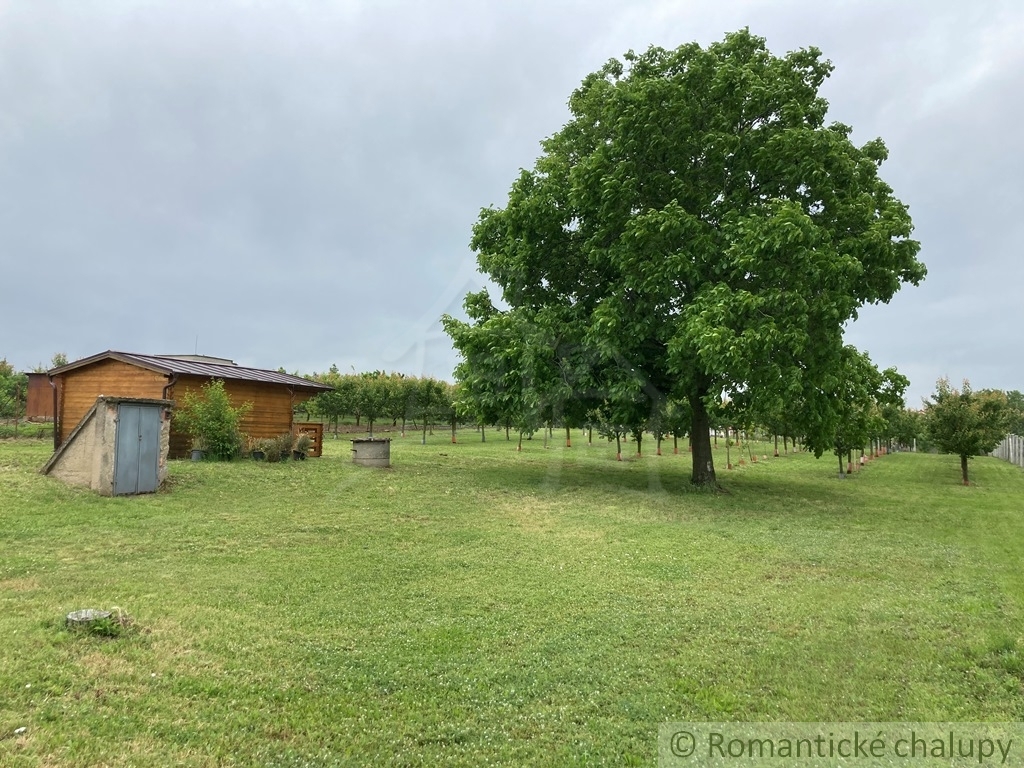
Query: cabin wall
<point x="270" y="416"/>
<point x="79" y="389"/>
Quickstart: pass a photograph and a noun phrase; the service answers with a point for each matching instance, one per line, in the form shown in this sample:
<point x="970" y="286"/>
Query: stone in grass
<point x="86" y="616"/>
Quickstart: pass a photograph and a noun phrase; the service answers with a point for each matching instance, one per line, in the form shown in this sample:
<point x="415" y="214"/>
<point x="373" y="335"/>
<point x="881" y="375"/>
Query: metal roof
<point x="170" y="365"/>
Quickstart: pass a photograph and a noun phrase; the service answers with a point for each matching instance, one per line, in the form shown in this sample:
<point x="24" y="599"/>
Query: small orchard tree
<point x="400" y="395"/>
<point x="450" y="406"/>
<point x="332" y="405"/>
<point x="208" y="417"/>
<point x="428" y="402"/>
<point x="505" y="369"/>
<point x="372" y="393"/>
<point x="964" y="422"/>
<point x="677" y="421"/>
<point x="860" y="392"/>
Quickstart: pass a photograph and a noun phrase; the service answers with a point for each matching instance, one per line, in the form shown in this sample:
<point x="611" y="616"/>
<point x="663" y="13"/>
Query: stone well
<point x="372" y="451"/>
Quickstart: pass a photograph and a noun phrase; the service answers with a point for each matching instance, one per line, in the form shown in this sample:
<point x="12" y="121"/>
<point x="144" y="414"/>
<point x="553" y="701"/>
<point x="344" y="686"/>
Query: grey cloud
<point x="267" y="177"/>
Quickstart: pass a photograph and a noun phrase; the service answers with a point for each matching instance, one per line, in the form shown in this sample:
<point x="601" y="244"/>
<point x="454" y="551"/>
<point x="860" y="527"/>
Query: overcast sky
<point x="294" y="183"/>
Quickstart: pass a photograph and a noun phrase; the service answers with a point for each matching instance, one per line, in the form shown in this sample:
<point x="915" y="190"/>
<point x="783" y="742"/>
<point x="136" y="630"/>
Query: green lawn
<point x="477" y="606"/>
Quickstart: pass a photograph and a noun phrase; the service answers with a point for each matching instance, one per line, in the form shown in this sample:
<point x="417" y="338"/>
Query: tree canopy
<point x="13" y="386"/>
<point x="964" y="422"/>
<point x="695" y="230"/>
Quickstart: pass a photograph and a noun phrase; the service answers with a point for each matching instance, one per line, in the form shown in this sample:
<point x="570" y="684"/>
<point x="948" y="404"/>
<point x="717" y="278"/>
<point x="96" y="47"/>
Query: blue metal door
<point x="137" y="448"/>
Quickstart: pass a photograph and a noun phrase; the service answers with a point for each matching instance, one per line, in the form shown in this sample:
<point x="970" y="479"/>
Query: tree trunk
<point x="839" y="454"/>
<point x="776" y="446"/>
<point x="657" y="451"/>
<point x="675" y="443"/>
<point x="507" y="438"/>
<point x="568" y="438"/>
<point x="618" y="448"/>
<point x="963" y="467"/>
<point x="700" y="436"/>
<point x="520" y="446"/>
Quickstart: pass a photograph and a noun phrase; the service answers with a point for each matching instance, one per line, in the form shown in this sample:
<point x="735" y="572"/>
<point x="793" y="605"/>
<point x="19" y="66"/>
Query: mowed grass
<point x="477" y="606"/>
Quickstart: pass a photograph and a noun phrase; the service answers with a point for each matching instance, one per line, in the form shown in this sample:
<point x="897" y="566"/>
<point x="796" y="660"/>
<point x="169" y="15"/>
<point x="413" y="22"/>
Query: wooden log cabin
<point x="273" y="395"/>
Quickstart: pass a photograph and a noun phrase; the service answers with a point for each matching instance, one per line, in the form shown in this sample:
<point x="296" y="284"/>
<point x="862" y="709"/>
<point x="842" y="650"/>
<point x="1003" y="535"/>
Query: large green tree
<point x="697" y="227"/>
<point x="964" y="422"/>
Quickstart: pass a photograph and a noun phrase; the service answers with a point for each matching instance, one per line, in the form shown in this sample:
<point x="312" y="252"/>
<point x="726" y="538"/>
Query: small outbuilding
<point x="119" y="448"/>
<point x="39" y="399"/>
<point x="273" y="394"/>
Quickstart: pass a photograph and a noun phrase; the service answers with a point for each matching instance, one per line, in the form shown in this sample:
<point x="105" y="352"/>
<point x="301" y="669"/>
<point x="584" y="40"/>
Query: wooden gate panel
<point x="315" y="430"/>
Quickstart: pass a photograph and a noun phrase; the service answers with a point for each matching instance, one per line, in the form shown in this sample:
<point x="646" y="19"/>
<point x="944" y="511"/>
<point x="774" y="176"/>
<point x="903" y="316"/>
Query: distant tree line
<point x="375" y="396"/>
<point x="509" y="376"/>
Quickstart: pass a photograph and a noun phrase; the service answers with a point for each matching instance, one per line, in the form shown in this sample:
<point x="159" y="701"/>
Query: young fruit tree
<point x="697" y="227"/>
<point x="965" y="422"/>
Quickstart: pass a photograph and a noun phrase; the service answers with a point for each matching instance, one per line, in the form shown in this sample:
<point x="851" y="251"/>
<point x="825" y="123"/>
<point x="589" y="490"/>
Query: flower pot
<point x="259" y="455"/>
<point x="198" y="454"/>
<point x="298" y="455"/>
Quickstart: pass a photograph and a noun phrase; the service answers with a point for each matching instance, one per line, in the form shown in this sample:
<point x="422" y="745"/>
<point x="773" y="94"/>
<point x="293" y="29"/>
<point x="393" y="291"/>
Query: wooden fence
<point x="1011" y="450"/>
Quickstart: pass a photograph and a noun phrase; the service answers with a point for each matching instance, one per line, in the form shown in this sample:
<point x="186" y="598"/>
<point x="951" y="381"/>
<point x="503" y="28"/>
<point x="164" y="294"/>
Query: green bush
<point x="303" y="443"/>
<point x="13" y="388"/>
<point x="271" y="448"/>
<point x="209" y="418"/>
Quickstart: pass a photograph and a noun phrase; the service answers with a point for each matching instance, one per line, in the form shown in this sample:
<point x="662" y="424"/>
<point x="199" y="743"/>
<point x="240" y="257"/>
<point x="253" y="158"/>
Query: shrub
<point x="303" y="443"/>
<point x="285" y="441"/>
<point x="209" y="417"/>
<point x="271" y="449"/>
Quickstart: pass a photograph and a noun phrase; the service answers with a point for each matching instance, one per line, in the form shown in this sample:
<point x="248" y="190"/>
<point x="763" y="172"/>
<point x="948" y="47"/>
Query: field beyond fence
<point x="474" y="605"/>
